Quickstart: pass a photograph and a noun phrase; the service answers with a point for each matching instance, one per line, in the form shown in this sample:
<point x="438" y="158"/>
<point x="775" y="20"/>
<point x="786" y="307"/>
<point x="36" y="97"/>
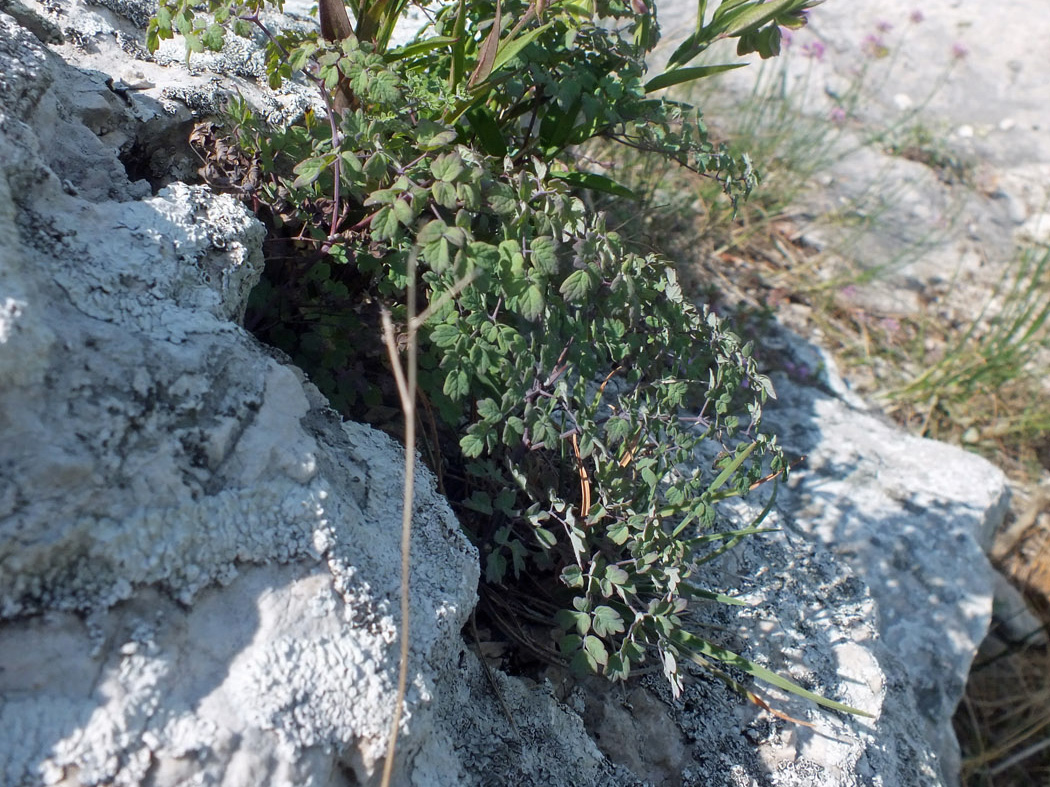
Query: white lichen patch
<point x="199" y="565"/>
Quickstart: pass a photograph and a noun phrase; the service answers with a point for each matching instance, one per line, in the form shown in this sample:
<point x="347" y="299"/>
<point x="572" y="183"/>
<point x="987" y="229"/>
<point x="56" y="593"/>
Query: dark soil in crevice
<point x="161" y="155"/>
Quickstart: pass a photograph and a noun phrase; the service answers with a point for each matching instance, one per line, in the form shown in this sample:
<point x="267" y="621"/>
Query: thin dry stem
<point x="406" y="388"/>
<point x="406" y="380"/>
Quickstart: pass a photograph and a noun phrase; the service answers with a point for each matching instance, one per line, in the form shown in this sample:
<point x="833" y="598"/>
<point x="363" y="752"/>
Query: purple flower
<point x="814" y="50"/>
<point x="874" y="47"/>
<point x="959" y="51"/>
<point x="916" y="17"/>
<point x="837" y="115"/>
<point x="883" y="26"/>
<point x="798" y="371"/>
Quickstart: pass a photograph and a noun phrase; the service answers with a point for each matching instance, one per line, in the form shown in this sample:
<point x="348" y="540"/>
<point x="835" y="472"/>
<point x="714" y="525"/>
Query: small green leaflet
<point x="311" y="169"/>
<point x="545" y="254"/>
<point x="579" y="285"/>
<point x="531" y="306"/>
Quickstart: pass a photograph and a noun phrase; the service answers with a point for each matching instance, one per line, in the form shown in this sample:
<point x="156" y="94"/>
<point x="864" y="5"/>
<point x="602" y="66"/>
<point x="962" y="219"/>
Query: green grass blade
<point x="595" y="182"/>
<point x="755" y="16"/>
<point x="456" y="72"/>
<point x="687" y="50"/>
<point x="695" y="592"/>
<point x="696" y="646"/>
<point x="701" y="12"/>
<point x="487" y="55"/>
<point x="731" y="468"/>
<point x="417" y="48"/>
<point x="740" y="535"/>
<point x="679" y="76"/>
<point x="725" y="7"/>
<point x="510" y="49"/>
<point x="730" y="534"/>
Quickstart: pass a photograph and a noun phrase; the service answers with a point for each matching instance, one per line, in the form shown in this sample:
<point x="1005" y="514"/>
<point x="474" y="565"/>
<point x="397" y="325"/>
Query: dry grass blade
<point x="1004" y="722"/>
<point x="406" y="378"/>
<point x="406" y="387"/>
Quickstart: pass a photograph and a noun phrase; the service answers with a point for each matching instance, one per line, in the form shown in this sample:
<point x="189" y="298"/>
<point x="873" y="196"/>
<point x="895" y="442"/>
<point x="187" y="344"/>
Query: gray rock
<point x="198" y="562"/>
<point x="909" y="516"/>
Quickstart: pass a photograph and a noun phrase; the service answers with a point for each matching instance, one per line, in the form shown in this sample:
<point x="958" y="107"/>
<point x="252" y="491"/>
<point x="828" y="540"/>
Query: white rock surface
<point x="912" y="518"/>
<point x="198" y="563"/>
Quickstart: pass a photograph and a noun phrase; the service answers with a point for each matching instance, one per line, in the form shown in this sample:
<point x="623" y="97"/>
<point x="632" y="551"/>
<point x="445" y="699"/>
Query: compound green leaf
<point x="489" y="410"/>
<point x="495" y="568"/>
<point x="502" y="199"/>
<point x="403" y="211"/>
<point x="480" y="502"/>
<point x="444" y="194"/>
<point x="570" y="619"/>
<point x="447" y="167"/>
<point x="616" y="575"/>
<point x="310" y="170"/>
<point x="382" y="196"/>
<point x="617" y="429"/>
<point x="570" y="643"/>
<point x="351" y="163"/>
<point x="212" y="37"/>
<point x="384" y="223"/>
<point x="595" y="649"/>
<point x="431" y="231"/>
<point x="572" y="576"/>
<point x="472" y="446"/>
<point x="457" y="385"/>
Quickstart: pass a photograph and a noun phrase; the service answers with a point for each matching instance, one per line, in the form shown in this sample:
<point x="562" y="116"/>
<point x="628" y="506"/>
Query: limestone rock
<point x="198" y="562"/>
<point x="911" y="517"/>
<point x="199" y="565"/>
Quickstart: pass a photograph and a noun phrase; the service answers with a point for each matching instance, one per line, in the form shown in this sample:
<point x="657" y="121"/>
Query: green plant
<point x="578" y="380"/>
<point x="985" y="387"/>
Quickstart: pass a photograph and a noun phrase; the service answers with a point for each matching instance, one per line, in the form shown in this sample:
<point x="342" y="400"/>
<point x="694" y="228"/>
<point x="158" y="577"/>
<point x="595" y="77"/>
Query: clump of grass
<point x="918" y="142"/>
<point x="986" y="385"/>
